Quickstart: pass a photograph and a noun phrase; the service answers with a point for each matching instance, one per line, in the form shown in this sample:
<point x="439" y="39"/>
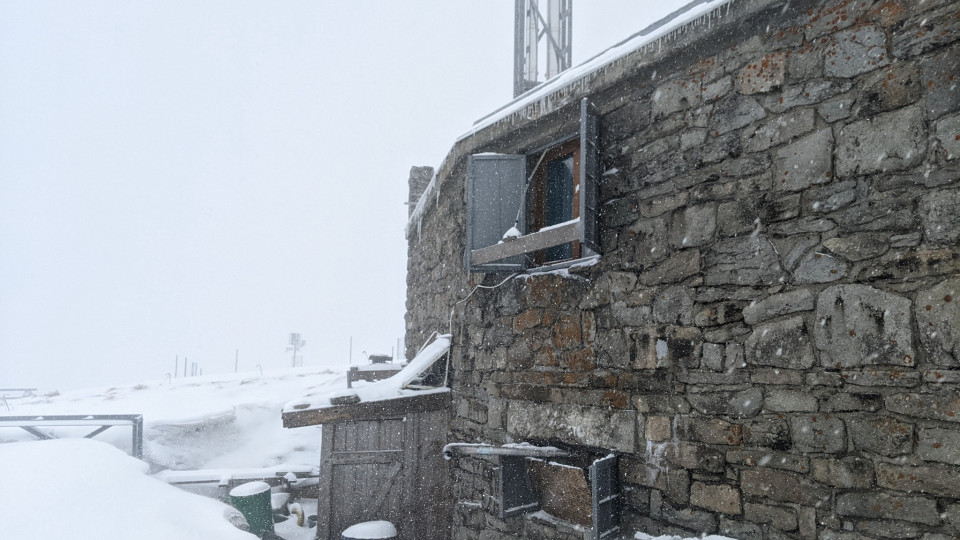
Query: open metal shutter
<point x="517" y="495"/>
<point x="494" y="196"/>
<point x="606" y="497"/>
<point x="589" y="174"/>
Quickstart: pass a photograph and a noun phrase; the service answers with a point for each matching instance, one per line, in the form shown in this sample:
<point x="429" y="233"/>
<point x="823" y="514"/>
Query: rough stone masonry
<point x="770" y="341"/>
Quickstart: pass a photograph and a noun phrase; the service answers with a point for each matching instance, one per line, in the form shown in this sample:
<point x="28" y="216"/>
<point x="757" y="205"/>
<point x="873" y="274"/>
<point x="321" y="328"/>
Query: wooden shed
<point x="381" y="455"/>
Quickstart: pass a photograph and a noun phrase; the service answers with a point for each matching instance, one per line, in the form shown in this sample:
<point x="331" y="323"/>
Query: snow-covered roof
<point x="697" y="13"/>
<point x="558" y="91"/>
<point x="393" y="387"/>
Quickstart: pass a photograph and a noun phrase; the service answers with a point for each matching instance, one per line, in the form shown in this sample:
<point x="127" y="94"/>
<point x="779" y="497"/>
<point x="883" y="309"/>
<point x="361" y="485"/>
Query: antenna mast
<point x="545" y="25"/>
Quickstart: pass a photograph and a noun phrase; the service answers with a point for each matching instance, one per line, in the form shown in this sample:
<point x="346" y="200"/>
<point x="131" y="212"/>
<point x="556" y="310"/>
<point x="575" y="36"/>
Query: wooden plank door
<point x="361" y="474"/>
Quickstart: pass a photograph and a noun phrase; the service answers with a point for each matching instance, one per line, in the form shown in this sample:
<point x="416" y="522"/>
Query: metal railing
<point x="102" y="422"/>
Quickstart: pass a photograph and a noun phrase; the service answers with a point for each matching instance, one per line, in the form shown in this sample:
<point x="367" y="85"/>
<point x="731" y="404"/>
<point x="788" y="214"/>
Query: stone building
<point x="737" y="272"/>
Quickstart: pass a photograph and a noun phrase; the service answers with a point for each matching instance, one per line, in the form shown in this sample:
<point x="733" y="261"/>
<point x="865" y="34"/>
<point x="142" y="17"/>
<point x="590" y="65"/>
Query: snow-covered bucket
<point x="370" y="530"/>
<point x="253" y="500"/>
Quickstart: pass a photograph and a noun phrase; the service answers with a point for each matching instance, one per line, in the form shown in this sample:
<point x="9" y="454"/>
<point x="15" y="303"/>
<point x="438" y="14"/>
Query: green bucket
<point x="253" y="501"/>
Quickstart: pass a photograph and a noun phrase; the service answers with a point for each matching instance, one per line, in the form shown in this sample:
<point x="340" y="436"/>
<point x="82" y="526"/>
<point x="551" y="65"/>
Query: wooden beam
<point x="367" y="410"/>
<point x="555" y="236"/>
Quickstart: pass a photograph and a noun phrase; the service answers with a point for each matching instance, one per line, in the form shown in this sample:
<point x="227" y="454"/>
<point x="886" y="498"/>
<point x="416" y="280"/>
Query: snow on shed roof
<point x="391" y="388"/>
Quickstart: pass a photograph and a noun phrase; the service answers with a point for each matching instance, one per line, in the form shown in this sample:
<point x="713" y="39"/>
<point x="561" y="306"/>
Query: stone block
<point x="769" y="459"/>
<point x="734" y="112"/>
<point x="875" y="505"/>
<point x="780" y="129"/>
<point x="888" y="142"/>
<point x="658" y="428"/>
<point x="743" y="404"/>
<point x="943" y="406"/>
<point x="940" y="84"/>
<point x="847" y="473"/>
<point x="673" y="305"/>
<point x="948" y="133"/>
<point x="693" y="226"/>
<point x="762" y="74"/>
<point x="829" y="17"/>
<point x="667" y="347"/>
<point x="810" y="93"/>
<point x="836" y="109"/>
<point x="881" y="377"/>
<point x="676" y="95"/>
<point x="781" y="487"/>
<point x="601" y="427"/>
<point x="766" y="432"/>
<point x="737" y="217"/>
<point x="856" y="51"/>
<point x="740" y="529"/>
<point x="860" y="325"/>
<point x="779" y="304"/>
<point x="859" y="246"/>
<point x="784" y="519"/>
<point x="819" y="267"/>
<point x="818" y="433"/>
<point x="675" y="268"/>
<point x="938" y="444"/>
<point x="781" y="343"/>
<point x="778" y="376"/>
<point x="939" y="480"/>
<point x="927" y="31"/>
<point x="779" y="400"/>
<point x="882" y="435"/>
<point x="941" y="222"/>
<point x="805" y="162"/>
<point x="689" y="518"/>
<point x="748" y="260"/>
<point x="712" y="356"/>
<point x="941" y="376"/>
<point x="711" y="431"/>
<point x="895" y="86"/>
<point x="845" y="402"/>
<point x="696" y="457"/>
<point x="831" y="197"/>
<point x="721" y="498"/>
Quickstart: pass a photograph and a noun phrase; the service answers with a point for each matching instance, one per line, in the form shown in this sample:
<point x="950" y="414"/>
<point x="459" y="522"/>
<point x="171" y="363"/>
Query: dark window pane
<point x="559" y="202"/>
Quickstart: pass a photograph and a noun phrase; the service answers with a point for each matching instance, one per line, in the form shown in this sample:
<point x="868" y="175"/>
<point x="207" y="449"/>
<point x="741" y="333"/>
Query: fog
<point x="200" y="179"/>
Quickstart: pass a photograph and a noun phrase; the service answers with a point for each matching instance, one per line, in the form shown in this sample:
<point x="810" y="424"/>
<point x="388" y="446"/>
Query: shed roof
<point x="375" y="400"/>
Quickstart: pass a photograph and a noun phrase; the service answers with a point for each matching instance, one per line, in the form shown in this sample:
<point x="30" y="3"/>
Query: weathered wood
<point x="568" y="232"/>
<point x="367" y="410"/>
<point x="386" y="468"/>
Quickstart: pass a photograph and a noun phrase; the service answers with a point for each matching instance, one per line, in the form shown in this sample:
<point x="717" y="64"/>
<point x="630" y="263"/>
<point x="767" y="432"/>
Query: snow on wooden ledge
<point x="388" y="396"/>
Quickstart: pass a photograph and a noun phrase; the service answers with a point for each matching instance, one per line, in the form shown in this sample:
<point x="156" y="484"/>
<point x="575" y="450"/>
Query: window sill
<point x="548" y="237"/>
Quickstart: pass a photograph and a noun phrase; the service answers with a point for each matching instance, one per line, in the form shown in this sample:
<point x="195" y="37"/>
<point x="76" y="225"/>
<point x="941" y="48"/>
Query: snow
<point x="91" y="497"/>
<point x="644" y="536"/>
<point x="371" y="529"/>
<point x="250" y="488"/>
<point x="392" y="387"/>
<point x="656" y="34"/>
<point x="225" y="421"/>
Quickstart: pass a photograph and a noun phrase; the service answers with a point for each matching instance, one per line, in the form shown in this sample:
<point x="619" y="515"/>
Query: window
<point x="549" y="197"/>
<point x="582" y="491"/>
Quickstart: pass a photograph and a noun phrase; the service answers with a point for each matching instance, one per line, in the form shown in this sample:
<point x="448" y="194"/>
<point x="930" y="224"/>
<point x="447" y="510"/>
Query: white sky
<point x="195" y="178"/>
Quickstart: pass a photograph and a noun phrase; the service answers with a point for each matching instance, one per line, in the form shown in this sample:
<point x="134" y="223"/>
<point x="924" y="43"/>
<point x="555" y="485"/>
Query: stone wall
<point x="771" y="339"/>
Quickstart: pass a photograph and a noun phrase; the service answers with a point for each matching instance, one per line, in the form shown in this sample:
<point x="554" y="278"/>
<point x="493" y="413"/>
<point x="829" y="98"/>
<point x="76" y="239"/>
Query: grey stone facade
<point x="770" y="341"/>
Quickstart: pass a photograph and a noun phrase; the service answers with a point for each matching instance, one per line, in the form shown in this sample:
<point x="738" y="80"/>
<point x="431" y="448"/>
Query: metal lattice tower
<point x="541" y="25"/>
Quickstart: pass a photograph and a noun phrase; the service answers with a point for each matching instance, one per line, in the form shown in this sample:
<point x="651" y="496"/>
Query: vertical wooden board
<point x="324" y="500"/>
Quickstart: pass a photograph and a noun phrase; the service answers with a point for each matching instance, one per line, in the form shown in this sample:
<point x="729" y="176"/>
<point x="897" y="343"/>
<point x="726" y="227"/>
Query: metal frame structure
<point x="102" y="422"/>
<point x="531" y="26"/>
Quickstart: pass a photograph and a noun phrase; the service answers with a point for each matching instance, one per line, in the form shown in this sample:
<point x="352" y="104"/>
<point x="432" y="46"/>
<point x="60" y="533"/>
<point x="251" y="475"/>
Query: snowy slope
<point x="213" y="421"/>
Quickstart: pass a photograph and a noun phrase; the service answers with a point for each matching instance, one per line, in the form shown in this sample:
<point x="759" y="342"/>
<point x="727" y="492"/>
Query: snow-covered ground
<point x="208" y="422"/>
<point x="86" y="489"/>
